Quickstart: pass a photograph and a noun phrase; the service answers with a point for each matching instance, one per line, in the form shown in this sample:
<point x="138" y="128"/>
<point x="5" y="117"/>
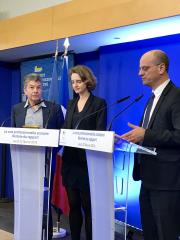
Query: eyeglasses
<point x="146" y="68"/>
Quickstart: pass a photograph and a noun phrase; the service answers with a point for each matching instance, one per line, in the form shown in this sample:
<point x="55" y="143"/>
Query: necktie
<point x="148" y="110"/>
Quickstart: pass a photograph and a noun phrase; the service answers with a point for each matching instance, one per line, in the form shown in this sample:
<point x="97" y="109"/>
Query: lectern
<point x="28" y="164"/>
<point x="100" y="146"/>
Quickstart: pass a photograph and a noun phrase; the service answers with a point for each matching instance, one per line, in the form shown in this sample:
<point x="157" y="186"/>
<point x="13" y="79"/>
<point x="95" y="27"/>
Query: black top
<point x="74" y="166"/>
<point x="76" y="117"/>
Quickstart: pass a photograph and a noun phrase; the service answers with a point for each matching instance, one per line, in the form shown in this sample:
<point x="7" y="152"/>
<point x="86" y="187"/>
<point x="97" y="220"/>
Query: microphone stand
<point x="101" y="109"/>
<point x="123" y="110"/>
<point x="50" y="114"/>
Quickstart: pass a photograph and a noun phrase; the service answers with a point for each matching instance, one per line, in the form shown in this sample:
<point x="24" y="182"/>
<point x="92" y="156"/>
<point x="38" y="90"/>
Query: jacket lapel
<point x="88" y="105"/>
<point x="71" y="110"/>
<point x="22" y="116"/>
<point x="46" y="111"/>
<point x="160" y="101"/>
<point x="73" y="106"/>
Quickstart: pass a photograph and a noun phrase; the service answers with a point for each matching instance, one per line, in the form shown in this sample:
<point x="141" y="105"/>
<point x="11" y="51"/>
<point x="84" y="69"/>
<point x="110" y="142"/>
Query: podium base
<point x="59" y="233"/>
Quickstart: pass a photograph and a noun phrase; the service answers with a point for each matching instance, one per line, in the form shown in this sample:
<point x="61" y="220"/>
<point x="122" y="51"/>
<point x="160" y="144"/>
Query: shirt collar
<point x="158" y="91"/>
<point x="42" y="104"/>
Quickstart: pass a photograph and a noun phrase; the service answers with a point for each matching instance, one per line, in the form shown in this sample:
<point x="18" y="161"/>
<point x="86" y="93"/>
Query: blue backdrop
<point x="10" y="94"/>
<point x="43" y="67"/>
<point x="116" y="67"/>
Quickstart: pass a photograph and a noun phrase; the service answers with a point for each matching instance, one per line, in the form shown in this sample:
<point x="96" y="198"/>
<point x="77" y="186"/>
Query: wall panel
<point x="80" y="17"/>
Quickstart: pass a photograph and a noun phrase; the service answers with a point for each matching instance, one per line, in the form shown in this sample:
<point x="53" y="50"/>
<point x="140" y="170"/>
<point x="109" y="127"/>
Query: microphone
<point x="2" y="124"/>
<point x="49" y="116"/>
<point x="117" y="102"/>
<point x="121" y="100"/>
<point x="123" y="110"/>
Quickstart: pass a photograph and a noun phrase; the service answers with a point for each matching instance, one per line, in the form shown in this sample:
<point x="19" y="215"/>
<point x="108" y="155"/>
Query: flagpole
<point x="56" y="52"/>
<point x="58" y="231"/>
<point x="66" y="46"/>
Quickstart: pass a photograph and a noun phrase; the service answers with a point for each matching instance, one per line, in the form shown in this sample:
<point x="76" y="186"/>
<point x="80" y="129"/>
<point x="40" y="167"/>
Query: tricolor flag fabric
<point x="64" y="87"/>
<point x="59" y="198"/>
<point x="59" y="92"/>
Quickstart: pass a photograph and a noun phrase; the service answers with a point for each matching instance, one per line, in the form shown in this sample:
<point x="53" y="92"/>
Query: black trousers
<point x="79" y="200"/>
<point x="160" y="214"/>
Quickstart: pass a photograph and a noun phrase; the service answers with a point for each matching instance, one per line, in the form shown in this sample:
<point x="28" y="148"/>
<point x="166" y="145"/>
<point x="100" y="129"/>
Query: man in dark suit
<point x="25" y="113"/>
<point x="39" y="113"/>
<point x="160" y="128"/>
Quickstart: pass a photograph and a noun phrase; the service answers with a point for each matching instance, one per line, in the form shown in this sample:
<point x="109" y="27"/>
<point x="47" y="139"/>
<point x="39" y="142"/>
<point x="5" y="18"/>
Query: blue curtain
<point x="10" y="94"/>
<point x="116" y="67"/>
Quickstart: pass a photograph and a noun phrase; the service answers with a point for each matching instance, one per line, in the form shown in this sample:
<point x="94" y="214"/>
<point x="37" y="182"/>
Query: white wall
<point x="13" y="8"/>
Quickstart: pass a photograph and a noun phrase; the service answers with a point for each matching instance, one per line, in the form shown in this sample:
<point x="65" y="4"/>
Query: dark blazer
<point x="96" y="121"/>
<point x="162" y="172"/>
<point x="74" y="165"/>
<point x="52" y="115"/>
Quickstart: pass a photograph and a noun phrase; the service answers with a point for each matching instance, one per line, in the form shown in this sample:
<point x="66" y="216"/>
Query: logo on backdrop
<point x="38" y="69"/>
<point x="44" y="68"/>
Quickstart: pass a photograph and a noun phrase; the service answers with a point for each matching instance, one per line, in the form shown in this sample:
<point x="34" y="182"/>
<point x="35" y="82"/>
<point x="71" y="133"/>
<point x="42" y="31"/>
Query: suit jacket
<point x="96" y="121"/>
<point x="162" y="172"/>
<point x="74" y="165"/>
<point x="52" y="115"/>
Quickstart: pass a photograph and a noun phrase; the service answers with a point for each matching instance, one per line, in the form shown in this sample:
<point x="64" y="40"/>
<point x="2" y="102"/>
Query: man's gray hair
<point x="32" y="77"/>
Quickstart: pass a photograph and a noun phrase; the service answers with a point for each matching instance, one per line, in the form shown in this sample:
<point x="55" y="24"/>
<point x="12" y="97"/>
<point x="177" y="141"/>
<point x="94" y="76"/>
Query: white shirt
<point x="34" y="116"/>
<point x="157" y="92"/>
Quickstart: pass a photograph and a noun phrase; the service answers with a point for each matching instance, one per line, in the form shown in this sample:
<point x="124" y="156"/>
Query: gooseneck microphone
<point x="107" y="106"/>
<point x="2" y="124"/>
<point x="123" y="110"/>
<point x="120" y="100"/>
<point x="50" y="114"/>
<point x="39" y="102"/>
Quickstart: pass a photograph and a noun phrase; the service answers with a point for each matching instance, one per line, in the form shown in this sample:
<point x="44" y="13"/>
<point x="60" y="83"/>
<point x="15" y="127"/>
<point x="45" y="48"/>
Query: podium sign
<point x="86" y="139"/>
<point x="28" y="165"/>
<point x="29" y="136"/>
